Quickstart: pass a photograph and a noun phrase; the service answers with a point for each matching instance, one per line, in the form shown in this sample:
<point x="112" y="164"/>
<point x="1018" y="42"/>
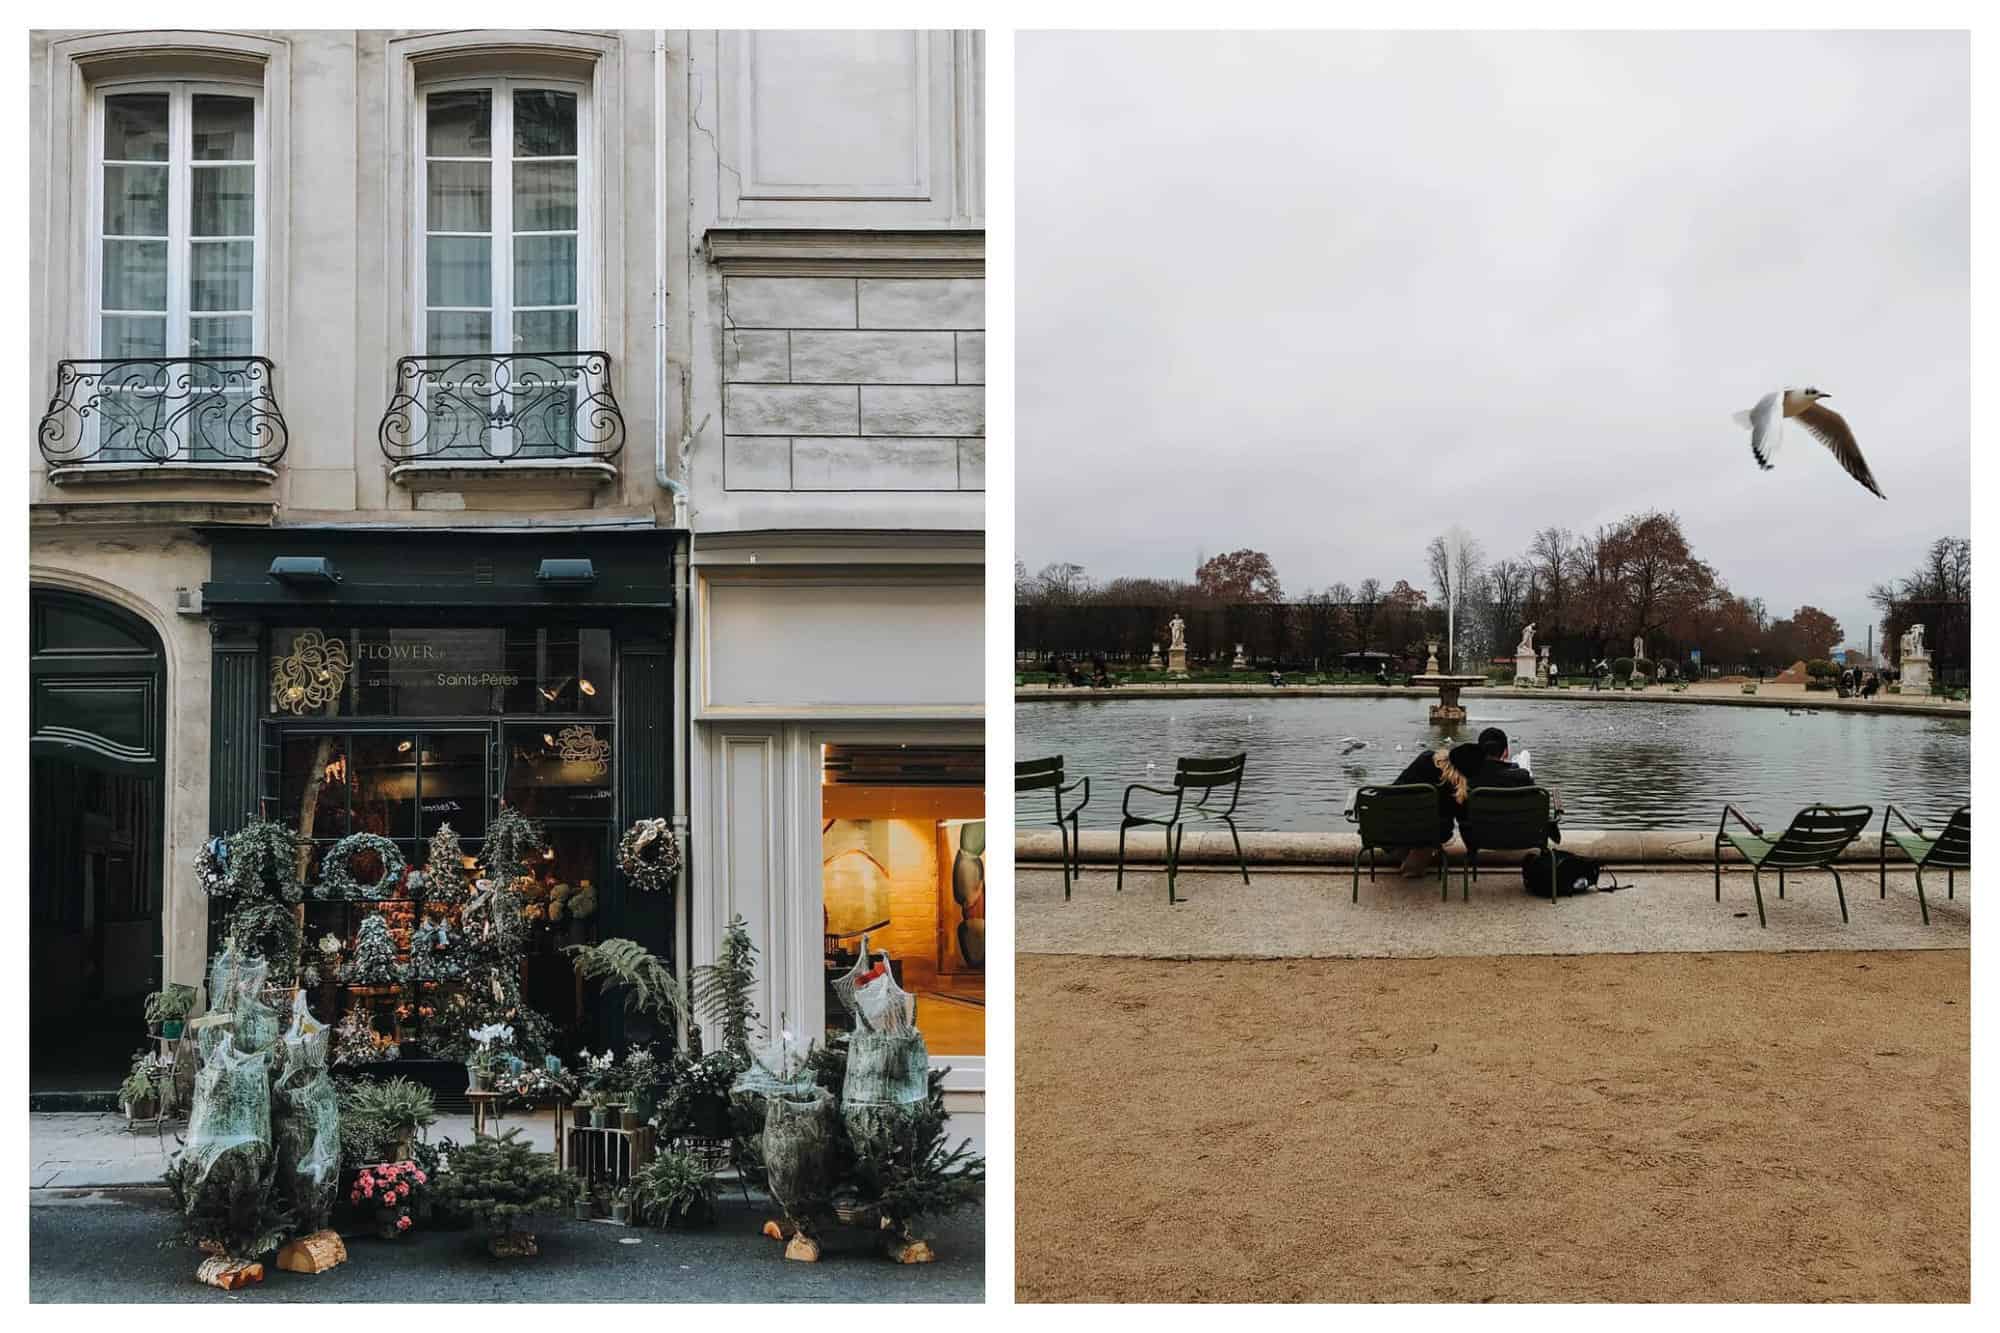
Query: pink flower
<point x="403" y="1223"/>
<point x="422" y="1179"/>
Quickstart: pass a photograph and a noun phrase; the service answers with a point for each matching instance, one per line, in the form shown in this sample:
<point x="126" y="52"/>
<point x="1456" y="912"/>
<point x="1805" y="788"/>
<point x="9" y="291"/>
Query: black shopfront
<point x="389" y="681"/>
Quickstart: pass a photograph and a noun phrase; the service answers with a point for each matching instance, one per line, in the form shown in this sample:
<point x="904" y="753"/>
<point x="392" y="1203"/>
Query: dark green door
<point x="96" y="737"/>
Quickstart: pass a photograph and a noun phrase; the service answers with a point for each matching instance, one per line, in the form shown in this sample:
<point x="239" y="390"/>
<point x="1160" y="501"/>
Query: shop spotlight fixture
<point x="586" y="687"/>
<point x="567" y="573"/>
<point x="305" y="571"/>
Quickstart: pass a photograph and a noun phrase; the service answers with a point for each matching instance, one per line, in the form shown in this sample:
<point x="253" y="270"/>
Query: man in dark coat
<point x="1499" y="770"/>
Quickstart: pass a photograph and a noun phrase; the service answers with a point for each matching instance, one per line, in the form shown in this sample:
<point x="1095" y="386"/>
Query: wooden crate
<point x="609" y="1157"/>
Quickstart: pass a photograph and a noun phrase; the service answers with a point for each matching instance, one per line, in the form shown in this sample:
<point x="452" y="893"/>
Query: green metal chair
<point x="1815" y="840"/>
<point x="1387" y="818"/>
<point x="1047" y="775"/>
<point x="1208" y="777"/>
<point x="1508" y="819"/>
<point x="1950" y="850"/>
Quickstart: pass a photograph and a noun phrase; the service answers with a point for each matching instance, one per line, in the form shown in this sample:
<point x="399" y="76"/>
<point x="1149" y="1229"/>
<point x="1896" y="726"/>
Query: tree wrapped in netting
<point x="502" y="1183"/>
<point x="263" y="1133"/>
<point x="799" y="1155"/>
<point x="305" y="1122"/>
<point x="373" y="962"/>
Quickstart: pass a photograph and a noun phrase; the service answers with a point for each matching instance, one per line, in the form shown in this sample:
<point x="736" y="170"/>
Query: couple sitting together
<point x="1455" y="772"/>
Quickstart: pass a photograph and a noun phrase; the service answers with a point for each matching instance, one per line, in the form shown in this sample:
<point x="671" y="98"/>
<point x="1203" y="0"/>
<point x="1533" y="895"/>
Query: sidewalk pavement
<point x="1308" y="913"/>
<point x="81" y="1151"/>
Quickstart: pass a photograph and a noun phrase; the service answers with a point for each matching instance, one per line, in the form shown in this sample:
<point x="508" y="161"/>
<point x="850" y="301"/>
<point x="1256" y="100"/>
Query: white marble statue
<point x="1638" y="647"/>
<point x="1913" y="641"/>
<point x="1177" y="632"/>
<point x="1526" y="648"/>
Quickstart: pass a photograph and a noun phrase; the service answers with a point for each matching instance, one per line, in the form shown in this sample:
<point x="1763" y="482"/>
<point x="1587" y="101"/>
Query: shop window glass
<point x="560" y="770"/>
<point x="905" y="863"/>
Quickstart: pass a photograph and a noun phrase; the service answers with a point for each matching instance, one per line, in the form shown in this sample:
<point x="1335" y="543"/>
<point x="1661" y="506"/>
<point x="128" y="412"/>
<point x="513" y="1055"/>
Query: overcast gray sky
<point x="1322" y="294"/>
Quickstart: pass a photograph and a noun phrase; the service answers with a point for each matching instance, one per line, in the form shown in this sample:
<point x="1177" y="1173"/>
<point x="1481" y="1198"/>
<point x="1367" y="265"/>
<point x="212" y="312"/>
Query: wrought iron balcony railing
<point x="140" y="410"/>
<point x="495" y="408"/>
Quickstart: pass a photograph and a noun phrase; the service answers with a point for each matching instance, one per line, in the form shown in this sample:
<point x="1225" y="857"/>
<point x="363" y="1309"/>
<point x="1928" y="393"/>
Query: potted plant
<point x="583" y="1213"/>
<point x="139" y="1094"/>
<point x="600" y="1109"/>
<point x="387" y="1192"/>
<point x="675" y="1189"/>
<point x="488" y="1047"/>
<point x="401" y="1107"/>
<point x="638" y="1080"/>
<point x="621" y="1206"/>
<point x="167" y="1010"/>
<point x="697" y="1102"/>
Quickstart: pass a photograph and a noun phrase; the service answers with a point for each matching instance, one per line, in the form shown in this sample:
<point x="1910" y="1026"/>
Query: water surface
<point x="1618" y="765"/>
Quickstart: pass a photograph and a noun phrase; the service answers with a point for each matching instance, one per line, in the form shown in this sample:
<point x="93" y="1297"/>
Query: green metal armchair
<point x="1209" y="778"/>
<point x="1047" y="775"/>
<point x="1815" y="840"/>
<point x="1509" y="819"/>
<point x="1950" y="851"/>
<point x="1388" y="818"/>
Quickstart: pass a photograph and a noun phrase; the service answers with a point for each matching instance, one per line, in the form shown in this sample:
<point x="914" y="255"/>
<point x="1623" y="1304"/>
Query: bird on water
<point x="1766" y="423"/>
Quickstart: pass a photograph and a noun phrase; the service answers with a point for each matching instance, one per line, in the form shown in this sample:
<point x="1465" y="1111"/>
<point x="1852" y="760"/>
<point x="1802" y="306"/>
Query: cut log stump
<point x="229" y="1274"/>
<point x="776" y="1229"/>
<point x="802" y="1249"/>
<point x="313" y="1254"/>
<point x="513" y="1245"/>
<point x="908" y="1250"/>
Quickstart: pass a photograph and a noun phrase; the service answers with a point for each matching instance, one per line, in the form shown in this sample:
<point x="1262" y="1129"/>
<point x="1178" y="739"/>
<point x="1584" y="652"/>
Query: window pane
<point x="561" y="769"/>
<point x="545" y="196"/>
<point x="460" y="124"/>
<point x="461" y="271"/>
<point x="222" y="275"/>
<point x="219" y="337"/>
<point x="385" y="785"/>
<point x="313" y="786"/>
<point x="544" y="270"/>
<point x="127" y="335"/>
<point x="135" y="275"/>
<point x="545" y="331"/>
<point x="454" y="783"/>
<point x="461" y="196"/>
<point x="544" y="123"/>
<point x="453" y="331"/>
<point x="135" y="127"/>
<point x="224" y="129"/>
<point x="225" y="201"/>
<point x="135" y="201"/>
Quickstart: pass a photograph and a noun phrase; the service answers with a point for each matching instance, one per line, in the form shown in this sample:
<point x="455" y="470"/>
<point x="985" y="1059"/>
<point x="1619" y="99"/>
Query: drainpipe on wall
<point x="683" y="648"/>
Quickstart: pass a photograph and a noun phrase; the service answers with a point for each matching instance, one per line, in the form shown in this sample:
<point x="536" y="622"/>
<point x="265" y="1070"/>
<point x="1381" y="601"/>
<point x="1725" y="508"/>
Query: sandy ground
<point x="1654" y="1127"/>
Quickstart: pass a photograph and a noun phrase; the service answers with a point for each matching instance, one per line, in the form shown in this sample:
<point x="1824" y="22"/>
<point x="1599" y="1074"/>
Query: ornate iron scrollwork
<point x="496" y="408"/>
<point x="206" y="409"/>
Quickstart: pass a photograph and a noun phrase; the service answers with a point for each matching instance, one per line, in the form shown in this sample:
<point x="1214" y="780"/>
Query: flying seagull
<point x="1766" y="423"/>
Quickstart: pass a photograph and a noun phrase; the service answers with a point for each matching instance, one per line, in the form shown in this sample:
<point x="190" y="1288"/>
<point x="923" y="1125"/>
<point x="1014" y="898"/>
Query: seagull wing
<point x="1830" y="430"/>
<point x="1767" y="426"/>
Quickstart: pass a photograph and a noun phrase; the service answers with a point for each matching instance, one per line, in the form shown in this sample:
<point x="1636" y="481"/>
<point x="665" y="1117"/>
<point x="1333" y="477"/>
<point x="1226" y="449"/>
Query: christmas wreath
<point x="650" y="855"/>
<point x="336" y="878"/>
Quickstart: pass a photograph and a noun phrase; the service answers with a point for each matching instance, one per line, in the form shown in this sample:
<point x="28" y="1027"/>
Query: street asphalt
<point x="113" y="1246"/>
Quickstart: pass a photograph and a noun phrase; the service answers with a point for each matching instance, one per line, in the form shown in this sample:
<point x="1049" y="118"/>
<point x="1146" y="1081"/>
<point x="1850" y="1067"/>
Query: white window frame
<point x="180" y="208"/>
<point x="501" y="237"/>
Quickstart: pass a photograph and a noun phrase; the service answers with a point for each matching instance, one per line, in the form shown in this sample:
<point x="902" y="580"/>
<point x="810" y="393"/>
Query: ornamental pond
<point x="1618" y="765"/>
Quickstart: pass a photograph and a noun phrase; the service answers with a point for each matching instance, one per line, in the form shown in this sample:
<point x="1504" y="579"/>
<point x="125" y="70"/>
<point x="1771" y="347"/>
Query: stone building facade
<point x="501" y="360"/>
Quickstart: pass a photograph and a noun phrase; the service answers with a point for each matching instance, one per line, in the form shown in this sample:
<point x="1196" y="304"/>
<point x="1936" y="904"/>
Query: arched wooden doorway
<point x="96" y="740"/>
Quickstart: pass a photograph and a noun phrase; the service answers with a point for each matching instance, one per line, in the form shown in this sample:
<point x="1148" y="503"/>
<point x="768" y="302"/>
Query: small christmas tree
<point x="499" y="1182"/>
<point x="374" y="961"/>
<point x="355" y="1041"/>
<point x="446" y="885"/>
<point x="491" y="942"/>
<point x="434" y="952"/>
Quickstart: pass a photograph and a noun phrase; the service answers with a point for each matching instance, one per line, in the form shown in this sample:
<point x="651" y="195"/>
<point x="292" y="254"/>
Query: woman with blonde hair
<point x="1452" y="772"/>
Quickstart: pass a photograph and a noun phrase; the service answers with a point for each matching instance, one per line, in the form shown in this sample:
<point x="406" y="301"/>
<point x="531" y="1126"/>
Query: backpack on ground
<point x="1574" y="874"/>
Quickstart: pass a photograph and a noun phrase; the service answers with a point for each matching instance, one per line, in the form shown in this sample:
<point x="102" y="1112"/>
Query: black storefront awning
<point x="587" y="573"/>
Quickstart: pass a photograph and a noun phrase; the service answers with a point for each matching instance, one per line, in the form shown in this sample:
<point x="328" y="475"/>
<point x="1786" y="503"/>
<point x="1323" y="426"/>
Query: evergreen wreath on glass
<point x="650" y="855"/>
<point x="374" y="962"/>
<point x="336" y="876"/>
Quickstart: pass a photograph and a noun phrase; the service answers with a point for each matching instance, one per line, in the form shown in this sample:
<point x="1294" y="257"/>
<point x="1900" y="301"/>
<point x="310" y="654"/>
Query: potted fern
<point x="167" y="1010"/>
<point x="139" y="1094"/>
<point x="621" y="1206"/>
<point x="675" y="1189"/>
